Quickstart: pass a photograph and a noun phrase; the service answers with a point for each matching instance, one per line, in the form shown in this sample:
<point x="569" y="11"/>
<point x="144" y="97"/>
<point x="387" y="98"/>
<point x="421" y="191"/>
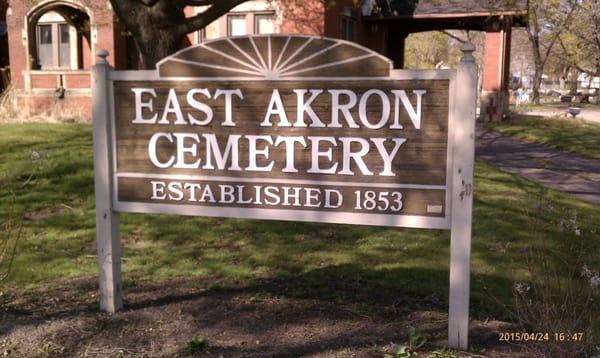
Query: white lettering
<point x="272" y="192"/>
<point x="415" y="115"/>
<point x="175" y="188"/>
<point x="356" y="156"/>
<point x="207" y="195"/>
<point x="287" y="196"/>
<point x="192" y="187"/>
<point x="312" y="194"/>
<point x="316" y="154"/>
<point x="152" y="150"/>
<point x="140" y="106"/>
<point x="228" y="104"/>
<point x="194" y="103"/>
<point x="328" y="199"/>
<point x="289" y="151"/>
<point x="172" y="106"/>
<point x="385" y="109"/>
<point x="276" y="107"/>
<point x="305" y="107"/>
<point x="253" y="153"/>
<point x="158" y="190"/>
<point x="231" y="149"/>
<point x="336" y="108"/>
<point x="387" y="157"/>
<point x="227" y="196"/>
<point x="182" y="150"/>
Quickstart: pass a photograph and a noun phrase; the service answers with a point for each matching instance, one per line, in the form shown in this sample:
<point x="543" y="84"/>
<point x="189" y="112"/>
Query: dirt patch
<point x="179" y="318"/>
<point x="47" y="213"/>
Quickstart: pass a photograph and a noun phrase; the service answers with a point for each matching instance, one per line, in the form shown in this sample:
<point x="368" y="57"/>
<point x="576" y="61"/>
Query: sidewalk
<point x="567" y="172"/>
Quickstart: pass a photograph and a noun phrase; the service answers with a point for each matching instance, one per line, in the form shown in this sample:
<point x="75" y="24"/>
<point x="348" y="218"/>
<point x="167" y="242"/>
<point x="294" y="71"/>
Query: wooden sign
<point x="280" y="127"/>
<point x="281" y="138"/>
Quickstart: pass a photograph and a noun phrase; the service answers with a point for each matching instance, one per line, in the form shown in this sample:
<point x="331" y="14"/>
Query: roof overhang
<point x="478" y="21"/>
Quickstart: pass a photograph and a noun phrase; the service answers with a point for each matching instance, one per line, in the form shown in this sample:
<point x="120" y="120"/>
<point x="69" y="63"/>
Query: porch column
<point x="496" y="72"/>
<point x="395" y="47"/>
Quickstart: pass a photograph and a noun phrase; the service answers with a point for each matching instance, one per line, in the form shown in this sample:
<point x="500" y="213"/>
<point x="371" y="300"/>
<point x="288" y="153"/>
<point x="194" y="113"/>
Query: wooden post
<point x="465" y="101"/>
<point x="107" y="221"/>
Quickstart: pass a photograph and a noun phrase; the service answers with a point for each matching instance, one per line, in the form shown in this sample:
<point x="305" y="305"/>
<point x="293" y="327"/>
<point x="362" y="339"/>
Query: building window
<point x="348" y="30"/>
<point x="54" y="46"/>
<point x="236" y="25"/>
<point x="45" y="46"/>
<point x="264" y="23"/>
<point x="209" y="32"/>
<point x="64" y="49"/>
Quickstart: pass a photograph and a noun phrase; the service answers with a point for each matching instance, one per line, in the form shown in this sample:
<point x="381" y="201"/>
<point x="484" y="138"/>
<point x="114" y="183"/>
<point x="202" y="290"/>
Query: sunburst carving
<point x="275" y="57"/>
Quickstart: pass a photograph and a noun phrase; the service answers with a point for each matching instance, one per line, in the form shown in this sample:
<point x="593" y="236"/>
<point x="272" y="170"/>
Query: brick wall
<point x="308" y="17"/>
<point x="303" y="17"/>
<point x="37" y="87"/>
<point x="16" y="49"/>
<point x="3" y="37"/>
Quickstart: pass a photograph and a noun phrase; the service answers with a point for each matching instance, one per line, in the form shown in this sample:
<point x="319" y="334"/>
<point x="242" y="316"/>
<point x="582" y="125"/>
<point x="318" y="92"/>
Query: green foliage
<point x="426" y="50"/>
<point x="580" y="40"/>
<point x="402" y="351"/>
<point x="443" y="353"/>
<point x="49" y="349"/>
<point x="423" y="50"/>
<point x="196" y="345"/>
<point x="548" y="19"/>
<point x="415" y="342"/>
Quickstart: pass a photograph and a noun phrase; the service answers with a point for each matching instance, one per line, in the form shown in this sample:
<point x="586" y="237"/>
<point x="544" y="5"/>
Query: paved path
<point x="566" y="172"/>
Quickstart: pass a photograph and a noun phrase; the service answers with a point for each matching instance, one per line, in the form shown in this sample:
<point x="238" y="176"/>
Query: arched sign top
<point x="275" y="57"/>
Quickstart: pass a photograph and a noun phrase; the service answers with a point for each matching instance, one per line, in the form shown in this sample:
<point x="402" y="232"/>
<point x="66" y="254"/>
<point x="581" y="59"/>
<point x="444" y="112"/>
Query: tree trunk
<point x="537" y="82"/>
<point x="159" y="27"/>
<point x="574" y="84"/>
<point x="533" y="34"/>
<point x="156" y="45"/>
<point x="151" y="28"/>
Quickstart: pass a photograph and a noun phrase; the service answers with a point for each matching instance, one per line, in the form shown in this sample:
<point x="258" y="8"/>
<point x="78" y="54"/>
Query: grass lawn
<point x="55" y="193"/>
<point x="574" y="136"/>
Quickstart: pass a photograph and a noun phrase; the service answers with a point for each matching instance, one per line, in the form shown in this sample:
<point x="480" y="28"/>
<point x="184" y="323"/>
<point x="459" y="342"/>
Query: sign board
<point x="281" y="127"/>
<point x="281" y="138"/>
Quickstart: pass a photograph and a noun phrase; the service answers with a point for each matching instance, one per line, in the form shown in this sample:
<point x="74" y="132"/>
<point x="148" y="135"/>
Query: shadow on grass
<point x="370" y="291"/>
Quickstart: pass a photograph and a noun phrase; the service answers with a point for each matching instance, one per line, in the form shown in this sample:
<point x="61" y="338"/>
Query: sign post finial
<point x="467" y="49"/>
<point x="102" y="55"/>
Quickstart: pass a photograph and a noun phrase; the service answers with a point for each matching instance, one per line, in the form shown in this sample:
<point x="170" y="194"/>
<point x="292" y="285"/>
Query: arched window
<point x="56" y="43"/>
<point x="59" y="37"/>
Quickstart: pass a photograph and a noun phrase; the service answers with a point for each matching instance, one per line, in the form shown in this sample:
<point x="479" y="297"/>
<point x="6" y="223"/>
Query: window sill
<point x="58" y="71"/>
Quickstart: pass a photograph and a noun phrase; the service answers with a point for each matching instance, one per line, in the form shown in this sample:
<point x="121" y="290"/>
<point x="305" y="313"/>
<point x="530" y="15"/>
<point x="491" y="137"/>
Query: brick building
<point x="3" y="45"/>
<point x="51" y="42"/>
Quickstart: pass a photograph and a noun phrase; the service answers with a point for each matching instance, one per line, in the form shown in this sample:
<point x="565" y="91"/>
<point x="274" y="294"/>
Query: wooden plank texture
<point x="422" y="158"/>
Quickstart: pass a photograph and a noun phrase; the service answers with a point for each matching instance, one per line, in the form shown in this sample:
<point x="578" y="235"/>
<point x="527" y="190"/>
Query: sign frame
<point x="458" y="187"/>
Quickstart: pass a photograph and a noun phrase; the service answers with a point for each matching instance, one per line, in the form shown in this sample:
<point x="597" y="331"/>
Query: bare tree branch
<point x="198" y="2"/>
<point x="457" y="38"/>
